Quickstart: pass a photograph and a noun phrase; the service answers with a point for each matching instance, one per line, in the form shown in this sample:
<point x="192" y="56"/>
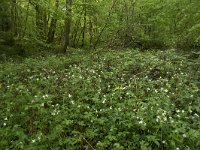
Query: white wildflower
<point x="166" y="90"/>
<point x="58" y="112"/>
<point x="140" y="122"/>
<point x="33" y="141"/>
<point x="165" y="118"/>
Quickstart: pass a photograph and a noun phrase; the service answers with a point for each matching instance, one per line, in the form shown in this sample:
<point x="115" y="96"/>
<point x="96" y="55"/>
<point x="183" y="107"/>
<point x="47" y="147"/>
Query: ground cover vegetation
<point x="101" y="100"/>
<point x="100" y="74"/>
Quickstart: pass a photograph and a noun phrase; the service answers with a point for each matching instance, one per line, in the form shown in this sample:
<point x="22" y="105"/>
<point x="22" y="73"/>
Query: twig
<point x="88" y="143"/>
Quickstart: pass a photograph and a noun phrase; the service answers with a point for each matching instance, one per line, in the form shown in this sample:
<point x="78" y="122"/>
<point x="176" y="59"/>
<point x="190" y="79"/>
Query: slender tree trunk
<point x="26" y="19"/>
<point x="38" y="20"/>
<point x="84" y="26"/>
<point x="14" y="17"/>
<point x="91" y="33"/>
<point x="52" y="28"/>
<point x="67" y="27"/>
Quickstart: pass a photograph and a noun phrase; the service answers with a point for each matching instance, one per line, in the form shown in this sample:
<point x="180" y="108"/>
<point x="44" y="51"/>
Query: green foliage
<point x="101" y="100"/>
<point x="154" y="24"/>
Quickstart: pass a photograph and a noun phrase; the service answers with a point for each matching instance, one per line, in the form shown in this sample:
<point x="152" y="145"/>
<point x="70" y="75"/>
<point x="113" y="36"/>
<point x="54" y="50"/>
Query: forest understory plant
<point x="101" y="100"/>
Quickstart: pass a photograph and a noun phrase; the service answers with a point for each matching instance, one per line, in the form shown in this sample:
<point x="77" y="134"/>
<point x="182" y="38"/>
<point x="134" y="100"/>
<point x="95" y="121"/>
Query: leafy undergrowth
<point x="101" y="100"/>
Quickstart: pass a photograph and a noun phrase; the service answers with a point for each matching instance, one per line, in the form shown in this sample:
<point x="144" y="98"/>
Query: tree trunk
<point x="26" y="19"/>
<point x="14" y="17"/>
<point x="67" y="27"/>
<point x="84" y="26"/>
<point x="52" y="28"/>
<point x="91" y="33"/>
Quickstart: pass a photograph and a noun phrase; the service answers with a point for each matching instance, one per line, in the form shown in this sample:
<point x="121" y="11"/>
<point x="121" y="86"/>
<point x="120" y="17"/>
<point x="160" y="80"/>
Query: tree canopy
<point x="144" y="24"/>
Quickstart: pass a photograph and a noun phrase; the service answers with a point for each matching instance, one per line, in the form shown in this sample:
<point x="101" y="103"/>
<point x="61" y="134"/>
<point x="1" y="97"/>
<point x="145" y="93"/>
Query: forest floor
<point x="103" y="99"/>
